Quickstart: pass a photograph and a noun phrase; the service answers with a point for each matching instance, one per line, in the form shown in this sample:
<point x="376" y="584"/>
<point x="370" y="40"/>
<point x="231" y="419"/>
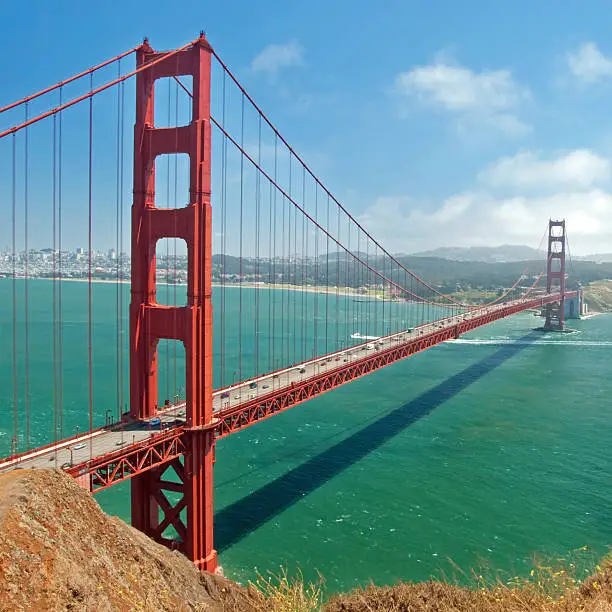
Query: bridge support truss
<point x="192" y="324"/>
<point x="555" y="275"/>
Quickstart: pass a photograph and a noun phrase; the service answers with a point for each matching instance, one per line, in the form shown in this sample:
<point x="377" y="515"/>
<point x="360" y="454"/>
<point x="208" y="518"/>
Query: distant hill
<point x="603" y="258"/>
<point x="506" y="253"/>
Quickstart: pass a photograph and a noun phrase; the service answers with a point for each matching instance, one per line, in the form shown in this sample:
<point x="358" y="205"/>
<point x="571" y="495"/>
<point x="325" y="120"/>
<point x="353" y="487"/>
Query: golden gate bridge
<point x="308" y="275"/>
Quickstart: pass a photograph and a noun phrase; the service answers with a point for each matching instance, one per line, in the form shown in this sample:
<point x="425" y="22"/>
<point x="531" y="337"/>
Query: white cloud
<point x="459" y="89"/>
<point x="274" y="57"/>
<point x="489" y="217"/>
<point x="487" y="96"/>
<point x="485" y="220"/>
<point x="589" y="64"/>
<point x="579" y="168"/>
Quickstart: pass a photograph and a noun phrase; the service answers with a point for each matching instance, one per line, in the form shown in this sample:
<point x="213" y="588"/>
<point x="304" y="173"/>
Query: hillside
<point x="500" y="254"/>
<point x="598" y="296"/>
<point x="59" y="551"/>
<point x="506" y="253"/>
<point x="598" y="258"/>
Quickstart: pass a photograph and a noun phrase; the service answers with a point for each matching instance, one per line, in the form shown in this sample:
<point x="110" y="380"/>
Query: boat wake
<point x="358" y="336"/>
<point x="544" y="342"/>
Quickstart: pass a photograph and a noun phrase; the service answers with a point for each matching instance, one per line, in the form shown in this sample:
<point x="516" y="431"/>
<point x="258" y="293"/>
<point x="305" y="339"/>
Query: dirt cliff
<point x="59" y="551"/>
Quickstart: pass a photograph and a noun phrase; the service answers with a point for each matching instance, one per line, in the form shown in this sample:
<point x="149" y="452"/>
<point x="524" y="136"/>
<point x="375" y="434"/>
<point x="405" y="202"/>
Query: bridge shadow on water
<point x="242" y="517"/>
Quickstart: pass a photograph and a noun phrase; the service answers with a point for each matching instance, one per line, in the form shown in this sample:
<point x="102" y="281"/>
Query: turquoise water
<point x="480" y="452"/>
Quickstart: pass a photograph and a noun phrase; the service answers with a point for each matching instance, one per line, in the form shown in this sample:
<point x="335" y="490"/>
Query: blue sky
<point x="436" y="123"/>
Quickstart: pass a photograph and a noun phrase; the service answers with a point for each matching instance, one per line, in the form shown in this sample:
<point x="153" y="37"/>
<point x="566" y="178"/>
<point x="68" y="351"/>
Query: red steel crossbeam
<point x="111" y="468"/>
<point x="158" y="450"/>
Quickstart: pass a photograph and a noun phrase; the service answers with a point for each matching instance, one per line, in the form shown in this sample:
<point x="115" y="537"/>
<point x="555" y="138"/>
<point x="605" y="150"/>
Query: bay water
<point x="476" y="454"/>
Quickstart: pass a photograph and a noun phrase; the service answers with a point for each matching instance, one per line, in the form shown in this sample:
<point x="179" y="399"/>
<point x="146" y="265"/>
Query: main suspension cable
<point x="42" y="92"/>
<point x="96" y="91"/>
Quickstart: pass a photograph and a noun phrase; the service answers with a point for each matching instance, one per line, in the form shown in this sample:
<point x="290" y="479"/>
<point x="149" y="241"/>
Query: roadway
<point x="109" y="439"/>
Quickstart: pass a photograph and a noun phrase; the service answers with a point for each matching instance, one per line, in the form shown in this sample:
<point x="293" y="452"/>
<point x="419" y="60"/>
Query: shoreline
<point x="321" y="289"/>
<point x="309" y="289"/>
<point x="590" y="315"/>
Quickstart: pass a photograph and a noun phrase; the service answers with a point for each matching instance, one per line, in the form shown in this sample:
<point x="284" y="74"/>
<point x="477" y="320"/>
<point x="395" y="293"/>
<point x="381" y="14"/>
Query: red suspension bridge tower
<point x="555" y="275"/>
<point x="191" y="324"/>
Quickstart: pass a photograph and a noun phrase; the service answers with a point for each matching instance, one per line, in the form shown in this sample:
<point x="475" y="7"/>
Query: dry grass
<point x="281" y="593"/>
<point x="562" y="586"/>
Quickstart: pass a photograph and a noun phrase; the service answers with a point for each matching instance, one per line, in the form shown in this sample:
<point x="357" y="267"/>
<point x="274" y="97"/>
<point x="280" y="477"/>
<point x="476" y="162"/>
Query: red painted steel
<point x="132" y="460"/>
<point x="555" y="275"/>
<point x="107" y="470"/>
<point x="191" y="324"/>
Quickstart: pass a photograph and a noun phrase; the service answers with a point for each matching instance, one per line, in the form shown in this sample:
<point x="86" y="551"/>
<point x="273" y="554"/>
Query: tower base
<point x="564" y="330"/>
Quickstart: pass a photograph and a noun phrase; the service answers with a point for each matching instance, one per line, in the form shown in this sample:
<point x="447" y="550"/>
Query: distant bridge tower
<point x="155" y="507"/>
<point x="555" y="275"/>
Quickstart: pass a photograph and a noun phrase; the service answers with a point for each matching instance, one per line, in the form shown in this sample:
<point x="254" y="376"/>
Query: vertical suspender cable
<point x="327" y="284"/>
<point x="290" y="209"/>
<point x="315" y="349"/>
<point x="174" y="251"/>
<point x="295" y="283"/>
<point x="60" y="336"/>
<point x="223" y="232"/>
<point x="304" y="356"/>
<point x="241" y="229"/>
<point x="54" y="281"/>
<point x="14" y="296"/>
<point x="359" y="284"/>
<point x="354" y="285"/>
<point x="274" y="256"/>
<point x="386" y="328"/>
<point x="282" y="296"/>
<point x="89" y="276"/>
<point x="337" y="280"/>
<point x="349" y="286"/>
<point x="119" y="310"/>
<point x="424" y="317"/>
<point x="346" y="289"/>
<point x="257" y="237"/>
<point x="27" y="297"/>
<point x="120" y="255"/>
<point x="270" y="283"/>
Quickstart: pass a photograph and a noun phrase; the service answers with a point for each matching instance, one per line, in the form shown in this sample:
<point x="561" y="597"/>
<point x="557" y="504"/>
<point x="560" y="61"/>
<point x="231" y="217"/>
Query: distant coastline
<point x="247" y="285"/>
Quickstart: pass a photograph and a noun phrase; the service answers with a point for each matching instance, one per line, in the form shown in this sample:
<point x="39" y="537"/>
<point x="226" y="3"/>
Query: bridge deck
<point x="114" y="453"/>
